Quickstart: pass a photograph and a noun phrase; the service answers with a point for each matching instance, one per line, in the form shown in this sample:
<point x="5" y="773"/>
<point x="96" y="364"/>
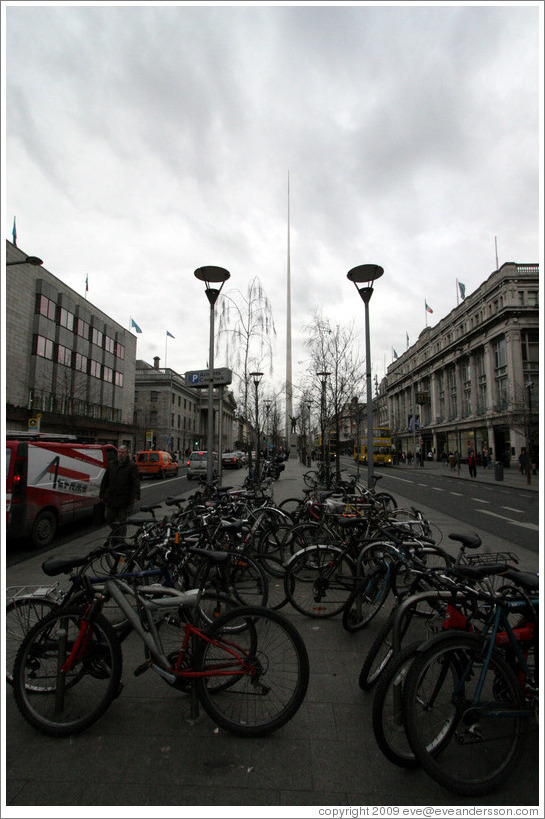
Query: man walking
<point x="120" y="488"/>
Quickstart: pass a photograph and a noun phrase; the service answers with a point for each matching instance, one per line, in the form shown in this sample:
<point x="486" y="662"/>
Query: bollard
<point x="498" y="471"/>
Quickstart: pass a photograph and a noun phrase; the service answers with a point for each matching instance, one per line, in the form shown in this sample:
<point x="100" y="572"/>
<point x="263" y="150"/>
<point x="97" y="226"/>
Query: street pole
<point x="366" y="274"/>
<point x="211" y="275"/>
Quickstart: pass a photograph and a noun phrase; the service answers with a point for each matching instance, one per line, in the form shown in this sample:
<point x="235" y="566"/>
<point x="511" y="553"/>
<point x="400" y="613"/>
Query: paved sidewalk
<point x="145" y="751"/>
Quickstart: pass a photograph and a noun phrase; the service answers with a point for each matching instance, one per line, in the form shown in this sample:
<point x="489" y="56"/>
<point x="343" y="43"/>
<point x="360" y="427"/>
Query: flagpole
<point x="166" y="342"/>
<point x="457" y="294"/>
<point x="426" y="312"/>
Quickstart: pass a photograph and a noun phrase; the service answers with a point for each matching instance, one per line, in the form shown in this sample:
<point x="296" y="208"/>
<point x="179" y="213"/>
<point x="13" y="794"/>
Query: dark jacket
<point x="120" y="485"/>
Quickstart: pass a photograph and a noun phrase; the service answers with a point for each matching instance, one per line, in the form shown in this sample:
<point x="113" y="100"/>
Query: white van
<point x="197" y="464"/>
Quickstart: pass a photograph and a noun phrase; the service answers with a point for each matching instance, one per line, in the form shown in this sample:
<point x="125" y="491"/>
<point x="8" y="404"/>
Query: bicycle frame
<point x="146" y="628"/>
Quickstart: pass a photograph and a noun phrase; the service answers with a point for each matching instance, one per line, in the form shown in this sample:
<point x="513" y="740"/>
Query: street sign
<point x="201" y="378"/>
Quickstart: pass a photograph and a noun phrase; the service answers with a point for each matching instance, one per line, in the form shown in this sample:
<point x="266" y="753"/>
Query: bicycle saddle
<point x="470" y="541"/>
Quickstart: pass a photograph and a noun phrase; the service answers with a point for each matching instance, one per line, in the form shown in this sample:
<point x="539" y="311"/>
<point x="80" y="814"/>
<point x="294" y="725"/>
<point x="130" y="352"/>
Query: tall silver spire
<point x="289" y="385"/>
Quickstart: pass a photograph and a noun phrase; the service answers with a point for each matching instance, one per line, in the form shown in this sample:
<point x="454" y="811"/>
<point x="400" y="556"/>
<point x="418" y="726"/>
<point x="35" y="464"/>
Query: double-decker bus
<point x="382" y="447"/>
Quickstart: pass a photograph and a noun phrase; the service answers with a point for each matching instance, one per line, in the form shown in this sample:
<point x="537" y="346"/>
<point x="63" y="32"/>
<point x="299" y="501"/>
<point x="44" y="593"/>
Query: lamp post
<point x="365" y="275"/>
<point x="211" y="275"/>
<point x="256" y="379"/>
<point x="529" y="385"/>
<point x="309" y="445"/>
<point x="27" y="260"/>
<point x="323" y="376"/>
<point x="266" y="426"/>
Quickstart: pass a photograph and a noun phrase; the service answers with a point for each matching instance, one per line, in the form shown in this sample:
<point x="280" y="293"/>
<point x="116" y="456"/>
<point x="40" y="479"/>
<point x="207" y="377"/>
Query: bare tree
<point x="333" y="349"/>
<point x="245" y="332"/>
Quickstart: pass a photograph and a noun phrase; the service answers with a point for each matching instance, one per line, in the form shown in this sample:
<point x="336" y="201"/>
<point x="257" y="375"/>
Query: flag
<point x="428" y="308"/>
<point x="395" y="354"/>
<point x="170" y="334"/>
<point x="407" y="341"/>
<point x="14" y="232"/>
<point x="135" y="325"/>
<point x="462" y="290"/>
<point x="87" y="283"/>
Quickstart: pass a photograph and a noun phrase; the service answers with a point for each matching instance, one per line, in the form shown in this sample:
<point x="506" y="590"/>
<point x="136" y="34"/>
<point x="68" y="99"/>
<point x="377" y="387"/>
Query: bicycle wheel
<point x="319" y="580"/>
<point x="388" y="721"/>
<point x="21" y="615"/>
<point x="386" y="500"/>
<point x="278" y="546"/>
<point x="367" y="598"/>
<point x="293" y="507"/>
<point x="62" y="703"/>
<point x="311" y="479"/>
<point x="266" y="662"/>
<point x="481" y="729"/>
<point x="239" y="576"/>
<point x="381" y="652"/>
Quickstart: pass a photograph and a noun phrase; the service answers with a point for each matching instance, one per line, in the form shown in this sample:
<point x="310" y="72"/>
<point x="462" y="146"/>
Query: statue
<point x="293" y="419"/>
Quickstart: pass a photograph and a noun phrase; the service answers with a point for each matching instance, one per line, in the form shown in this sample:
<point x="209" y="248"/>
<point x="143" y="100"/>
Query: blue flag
<point x="170" y="334"/>
<point x="14" y="232"/>
<point x="462" y="290"/>
<point x="135" y="325"/>
<point x="395" y="353"/>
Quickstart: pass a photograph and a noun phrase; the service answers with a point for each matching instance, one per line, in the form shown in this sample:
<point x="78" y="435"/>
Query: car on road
<point x="156" y="463"/>
<point x="232" y="460"/>
<point x="197" y="464"/>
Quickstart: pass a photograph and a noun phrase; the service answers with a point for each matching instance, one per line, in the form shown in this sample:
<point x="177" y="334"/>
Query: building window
<point x="533" y="299"/>
<point x="465" y="374"/>
<point x="66" y="319"/>
<point x="481" y="381"/>
<point x="530" y="346"/>
<point x="96" y="337"/>
<point x="82" y="328"/>
<point x="46" y="307"/>
<point x="44" y="347"/>
<point x="118" y="379"/>
<point x="500" y="374"/>
<point x="108" y="374"/>
<point x="452" y="392"/>
<point x="120" y="350"/>
<point x="64" y="355"/>
<point x="94" y="368"/>
<point x="153" y="417"/>
<point x="80" y="362"/>
<point x="109" y="344"/>
<point x="154" y="396"/>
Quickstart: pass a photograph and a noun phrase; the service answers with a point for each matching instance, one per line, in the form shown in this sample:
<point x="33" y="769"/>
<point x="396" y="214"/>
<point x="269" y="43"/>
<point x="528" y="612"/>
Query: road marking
<point x="531" y="526"/>
<point x="436" y="488"/>
<point x="510" y="509"/>
<point x="479" y="500"/>
<point x="458" y="494"/>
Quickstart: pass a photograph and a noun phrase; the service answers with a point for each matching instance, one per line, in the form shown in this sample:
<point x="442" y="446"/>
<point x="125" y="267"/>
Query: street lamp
<point x="256" y="379"/>
<point x="323" y="376"/>
<point x="211" y="275"/>
<point x="27" y="260"/>
<point x="529" y="469"/>
<point x="365" y="275"/>
<point x="266" y="427"/>
<point x="309" y="445"/>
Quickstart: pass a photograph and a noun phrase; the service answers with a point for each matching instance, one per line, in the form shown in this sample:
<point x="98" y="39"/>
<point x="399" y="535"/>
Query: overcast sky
<point x="144" y="141"/>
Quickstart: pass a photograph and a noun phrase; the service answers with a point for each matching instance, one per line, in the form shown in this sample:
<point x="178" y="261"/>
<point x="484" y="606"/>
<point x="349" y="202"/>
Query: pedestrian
<point x="522" y="461"/>
<point x="120" y="489"/>
<point x="472" y="464"/>
<point x="444" y="458"/>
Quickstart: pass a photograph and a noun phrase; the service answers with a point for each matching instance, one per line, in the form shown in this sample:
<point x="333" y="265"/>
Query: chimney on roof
<point x="156" y="361"/>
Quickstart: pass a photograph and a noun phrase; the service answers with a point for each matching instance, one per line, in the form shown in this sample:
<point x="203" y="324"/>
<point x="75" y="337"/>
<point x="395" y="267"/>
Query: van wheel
<point x="44" y="529"/>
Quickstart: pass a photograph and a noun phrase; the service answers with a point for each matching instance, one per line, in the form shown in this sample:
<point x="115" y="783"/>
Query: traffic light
<point x="196" y="444"/>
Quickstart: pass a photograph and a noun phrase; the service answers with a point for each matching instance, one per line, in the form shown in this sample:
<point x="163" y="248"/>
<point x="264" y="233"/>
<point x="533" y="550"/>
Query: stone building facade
<point x="69" y="367"/>
<point x="472" y="381"/>
<point x="171" y="415"/>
